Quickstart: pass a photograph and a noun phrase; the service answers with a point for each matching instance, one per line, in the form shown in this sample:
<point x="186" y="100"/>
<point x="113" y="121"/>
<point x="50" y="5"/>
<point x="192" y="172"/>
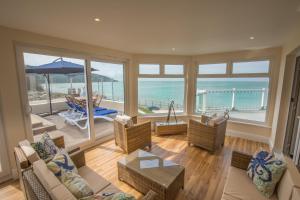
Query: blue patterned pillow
<point x="61" y="163"/>
<point x="45" y="147"/>
<point x="77" y="185"/>
<point x="265" y="171"/>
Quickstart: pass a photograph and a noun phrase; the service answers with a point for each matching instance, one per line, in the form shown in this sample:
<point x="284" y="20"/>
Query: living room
<point x="196" y="87"/>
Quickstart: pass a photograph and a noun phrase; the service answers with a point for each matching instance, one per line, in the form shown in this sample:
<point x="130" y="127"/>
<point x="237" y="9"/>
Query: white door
<point x="4" y="161"/>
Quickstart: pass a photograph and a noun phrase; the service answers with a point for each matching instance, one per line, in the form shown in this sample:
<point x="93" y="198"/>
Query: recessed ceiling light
<point x="173" y="49"/>
<point x="251" y="38"/>
<point x="97" y="19"/>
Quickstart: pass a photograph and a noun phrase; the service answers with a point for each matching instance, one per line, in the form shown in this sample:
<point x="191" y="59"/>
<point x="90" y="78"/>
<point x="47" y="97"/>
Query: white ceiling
<point x="157" y="26"/>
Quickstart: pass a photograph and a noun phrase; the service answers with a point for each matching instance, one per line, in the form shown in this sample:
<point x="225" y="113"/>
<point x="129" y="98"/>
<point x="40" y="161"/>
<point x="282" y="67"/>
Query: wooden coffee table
<point x="145" y="171"/>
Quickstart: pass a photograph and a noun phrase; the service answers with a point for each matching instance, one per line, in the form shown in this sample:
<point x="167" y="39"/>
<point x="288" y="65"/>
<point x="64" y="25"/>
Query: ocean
<point x="160" y="93"/>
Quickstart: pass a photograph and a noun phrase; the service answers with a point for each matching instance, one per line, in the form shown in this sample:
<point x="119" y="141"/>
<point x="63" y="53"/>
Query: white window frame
<point x="229" y="74"/>
<point x="163" y="75"/>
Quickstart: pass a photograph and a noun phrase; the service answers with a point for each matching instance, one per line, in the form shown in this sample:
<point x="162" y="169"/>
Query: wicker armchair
<point x="132" y="138"/>
<point x="205" y="136"/>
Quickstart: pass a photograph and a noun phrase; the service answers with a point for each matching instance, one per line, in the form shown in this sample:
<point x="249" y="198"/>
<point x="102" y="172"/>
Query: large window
<point x="155" y="93"/>
<point x="244" y="97"/>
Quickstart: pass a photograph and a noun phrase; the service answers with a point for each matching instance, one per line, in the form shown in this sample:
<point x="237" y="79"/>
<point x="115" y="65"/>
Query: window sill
<point x="161" y="115"/>
<point x="244" y="122"/>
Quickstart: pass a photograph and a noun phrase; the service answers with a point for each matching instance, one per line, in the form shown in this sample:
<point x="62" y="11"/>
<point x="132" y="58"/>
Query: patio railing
<point x="232" y="99"/>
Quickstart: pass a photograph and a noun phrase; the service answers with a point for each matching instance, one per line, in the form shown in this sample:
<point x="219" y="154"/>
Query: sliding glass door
<point x="107" y="94"/>
<point x="57" y="96"/>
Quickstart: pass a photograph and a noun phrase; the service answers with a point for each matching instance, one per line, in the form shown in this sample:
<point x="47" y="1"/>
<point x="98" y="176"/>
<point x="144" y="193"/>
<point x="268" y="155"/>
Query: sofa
<point x="239" y="186"/>
<point x="38" y="182"/>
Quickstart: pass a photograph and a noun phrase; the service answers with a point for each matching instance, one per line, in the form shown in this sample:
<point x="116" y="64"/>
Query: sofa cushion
<point x="29" y="152"/>
<point x="61" y="162"/>
<point x="45" y="147"/>
<point x="109" y="189"/>
<point x="289" y="180"/>
<point x="265" y="170"/>
<point x="76" y="184"/>
<point x="120" y="196"/>
<point x="61" y="193"/>
<point x="228" y="197"/>
<point x="96" y="181"/>
<point x="239" y="186"/>
<point x="296" y="194"/>
<point x="46" y="177"/>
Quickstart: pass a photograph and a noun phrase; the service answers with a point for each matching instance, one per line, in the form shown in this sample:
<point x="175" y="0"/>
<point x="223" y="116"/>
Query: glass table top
<point x="152" y="167"/>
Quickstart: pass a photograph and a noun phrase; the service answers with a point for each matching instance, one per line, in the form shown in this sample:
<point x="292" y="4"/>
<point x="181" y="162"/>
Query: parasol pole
<point x="71" y="81"/>
<point x="47" y="76"/>
<point x="112" y="90"/>
<point x="101" y="86"/>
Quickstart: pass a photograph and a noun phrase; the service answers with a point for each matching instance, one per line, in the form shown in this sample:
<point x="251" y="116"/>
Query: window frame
<point x="163" y="75"/>
<point x="229" y="74"/>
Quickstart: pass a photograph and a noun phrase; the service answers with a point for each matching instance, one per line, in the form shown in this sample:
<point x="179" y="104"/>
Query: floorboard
<point x="205" y="172"/>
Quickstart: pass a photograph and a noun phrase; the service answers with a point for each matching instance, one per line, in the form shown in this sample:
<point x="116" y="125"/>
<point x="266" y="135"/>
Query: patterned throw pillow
<point x="265" y="171"/>
<point x="76" y="185"/>
<point x="120" y="196"/>
<point x="45" y="148"/>
<point x="61" y="163"/>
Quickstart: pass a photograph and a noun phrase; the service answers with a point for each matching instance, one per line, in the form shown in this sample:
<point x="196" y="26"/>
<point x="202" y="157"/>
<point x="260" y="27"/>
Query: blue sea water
<point x="160" y="93"/>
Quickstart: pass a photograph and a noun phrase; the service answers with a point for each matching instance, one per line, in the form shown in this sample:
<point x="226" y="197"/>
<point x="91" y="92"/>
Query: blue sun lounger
<point x="77" y="114"/>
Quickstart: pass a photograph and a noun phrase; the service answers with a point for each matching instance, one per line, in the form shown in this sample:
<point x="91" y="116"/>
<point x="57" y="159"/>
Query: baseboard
<point x="248" y="136"/>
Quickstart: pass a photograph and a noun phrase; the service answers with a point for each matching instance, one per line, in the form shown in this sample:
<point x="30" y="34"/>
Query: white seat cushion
<point x="61" y="193"/>
<point x="240" y="186"/>
<point x="95" y="181"/>
<point x="289" y="180"/>
<point x="296" y="194"/>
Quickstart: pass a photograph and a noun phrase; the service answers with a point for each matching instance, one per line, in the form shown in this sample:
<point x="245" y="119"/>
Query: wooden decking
<point x="205" y="173"/>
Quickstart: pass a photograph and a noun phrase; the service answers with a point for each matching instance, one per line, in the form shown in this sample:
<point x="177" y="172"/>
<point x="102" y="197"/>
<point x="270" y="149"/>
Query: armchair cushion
<point x="124" y="119"/>
<point x="215" y="121"/>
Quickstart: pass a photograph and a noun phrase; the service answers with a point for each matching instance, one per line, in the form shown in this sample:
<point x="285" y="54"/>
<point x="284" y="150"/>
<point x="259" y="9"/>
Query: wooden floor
<point x="205" y="173"/>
